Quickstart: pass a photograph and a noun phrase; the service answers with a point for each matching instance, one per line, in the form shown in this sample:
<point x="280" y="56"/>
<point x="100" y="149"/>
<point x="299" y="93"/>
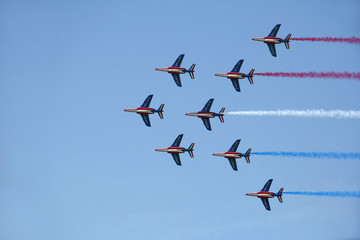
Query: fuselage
<point x="273" y="40"/>
<point x="202" y="114"/>
<point x="177" y="70"/>
<point x="171" y="150"/>
<point x="261" y="194"/>
<point x="229" y="155"/>
<point x="231" y="75"/>
<point x="141" y="110"/>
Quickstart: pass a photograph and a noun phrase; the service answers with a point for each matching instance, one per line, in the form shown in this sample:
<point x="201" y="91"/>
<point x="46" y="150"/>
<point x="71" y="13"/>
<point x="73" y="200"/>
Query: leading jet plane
<point x="232" y="154"/>
<point x="144" y="110"/>
<point x="235" y="75"/>
<point x="271" y="40"/>
<point x="205" y="114"/>
<point x="175" y="150"/>
<point x="176" y="70"/>
<point x="264" y="194"/>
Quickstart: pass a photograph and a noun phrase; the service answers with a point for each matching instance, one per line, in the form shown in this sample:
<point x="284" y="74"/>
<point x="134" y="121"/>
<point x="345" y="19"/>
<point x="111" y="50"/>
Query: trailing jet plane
<point x="271" y="40"/>
<point x="175" y="150"/>
<point x="235" y="75"/>
<point x="232" y="154"/>
<point x="205" y="114"/>
<point x="264" y="195"/>
<point x="145" y="110"/>
<point x="176" y="70"/>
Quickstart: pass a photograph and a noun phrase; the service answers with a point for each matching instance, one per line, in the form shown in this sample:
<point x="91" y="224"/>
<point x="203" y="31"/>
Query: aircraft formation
<point x="205" y="113"/>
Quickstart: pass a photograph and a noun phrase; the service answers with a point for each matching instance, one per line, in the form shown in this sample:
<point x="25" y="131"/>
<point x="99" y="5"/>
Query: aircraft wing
<point x="177" y="141"/>
<point x="266" y="203"/>
<point x="208" y="105"/>
<point x="267" y="185"/>
<point x="146" y="119"/>
<point x="178" y="61"/>
<point x="235" y="146"/>
<point x="177" y="79"/>
<point x="274" y="31"/>
<point x="206" y="122"/>
<point x="238" y="66"/>
<point x="272" y="49"/>
<point x="233" y="163"/>
<point x="236" y="84"/>
<point x="147" y="101"/>
<point x="176" y="157"/>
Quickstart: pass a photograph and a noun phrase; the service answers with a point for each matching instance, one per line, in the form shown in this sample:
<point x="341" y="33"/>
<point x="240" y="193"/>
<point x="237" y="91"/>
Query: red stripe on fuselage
<point x="176" y="68"/>
<point x="276" y="38"/>
<point x="265" y="192"/>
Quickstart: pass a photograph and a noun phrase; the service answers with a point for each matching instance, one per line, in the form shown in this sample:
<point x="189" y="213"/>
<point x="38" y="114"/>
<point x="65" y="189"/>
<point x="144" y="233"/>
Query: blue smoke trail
<point x="353" y="194"/>
<point x="337" y="155"/>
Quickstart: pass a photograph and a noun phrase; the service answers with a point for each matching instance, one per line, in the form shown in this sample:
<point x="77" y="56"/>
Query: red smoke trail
<point x="346" y="75"/>
<point x="329" y="39"/>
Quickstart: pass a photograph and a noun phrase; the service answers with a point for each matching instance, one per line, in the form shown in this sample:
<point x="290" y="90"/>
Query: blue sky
<point x="74" y="165"/>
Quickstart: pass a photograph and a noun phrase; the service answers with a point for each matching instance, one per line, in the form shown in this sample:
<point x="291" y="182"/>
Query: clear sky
<point x="74" y="165"/>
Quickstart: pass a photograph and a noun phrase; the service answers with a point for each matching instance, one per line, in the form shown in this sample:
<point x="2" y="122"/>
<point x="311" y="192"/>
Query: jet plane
<point x="176" y="70"/>
<point x="145" y="110"/>
<point x="175" y="150"/>
<point x="232" y="154"/>
<point x="271" y="40"/>
<point x="235" y="75"/>
<point x="205" y="114"/>
<point x="264" y="194"/>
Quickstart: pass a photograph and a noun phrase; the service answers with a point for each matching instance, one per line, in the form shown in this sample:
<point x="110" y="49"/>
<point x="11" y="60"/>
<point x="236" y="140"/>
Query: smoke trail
<point x="300" y="113"/>
<point x="354" y="194"/>
<point x="337" y="155"/>
<point x="329" y="39"/>
<point x="346" y="75"/>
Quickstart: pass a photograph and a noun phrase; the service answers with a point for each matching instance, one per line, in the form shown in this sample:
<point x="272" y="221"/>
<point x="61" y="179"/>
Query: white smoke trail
<point x="300" y="113"/>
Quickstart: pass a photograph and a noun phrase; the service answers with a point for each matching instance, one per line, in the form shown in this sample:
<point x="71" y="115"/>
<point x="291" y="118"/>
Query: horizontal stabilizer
<point x="247" y="155"/>
<point x="287" y="39"/>
<point x="191" y="149"/>
<point x="221" y="116"/>
<point x="191" y="71"/>
<point x="250" y="76"/>
<point x="160" y="111"/>
<point x="279" y="195"/>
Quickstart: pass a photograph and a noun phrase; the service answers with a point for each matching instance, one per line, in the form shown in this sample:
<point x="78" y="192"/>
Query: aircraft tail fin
<point x="279" y="195"/>
<point x="160" y="111"/>
<point x="247" y="155"/>
<point x="191" y="149"/>
<point x="287" y="39"/>
<point x="250" y="76"/>
<point x="221" y="116"/>
<point x="191" y="71"/>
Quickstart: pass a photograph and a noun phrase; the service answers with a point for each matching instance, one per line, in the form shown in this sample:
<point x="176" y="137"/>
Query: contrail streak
<point x="353" y="194"/>
<point x="300" y="113"/>
<point x="338" y="155"/>
<point x="343" y="75"/>
<point x="353" y="40"/>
